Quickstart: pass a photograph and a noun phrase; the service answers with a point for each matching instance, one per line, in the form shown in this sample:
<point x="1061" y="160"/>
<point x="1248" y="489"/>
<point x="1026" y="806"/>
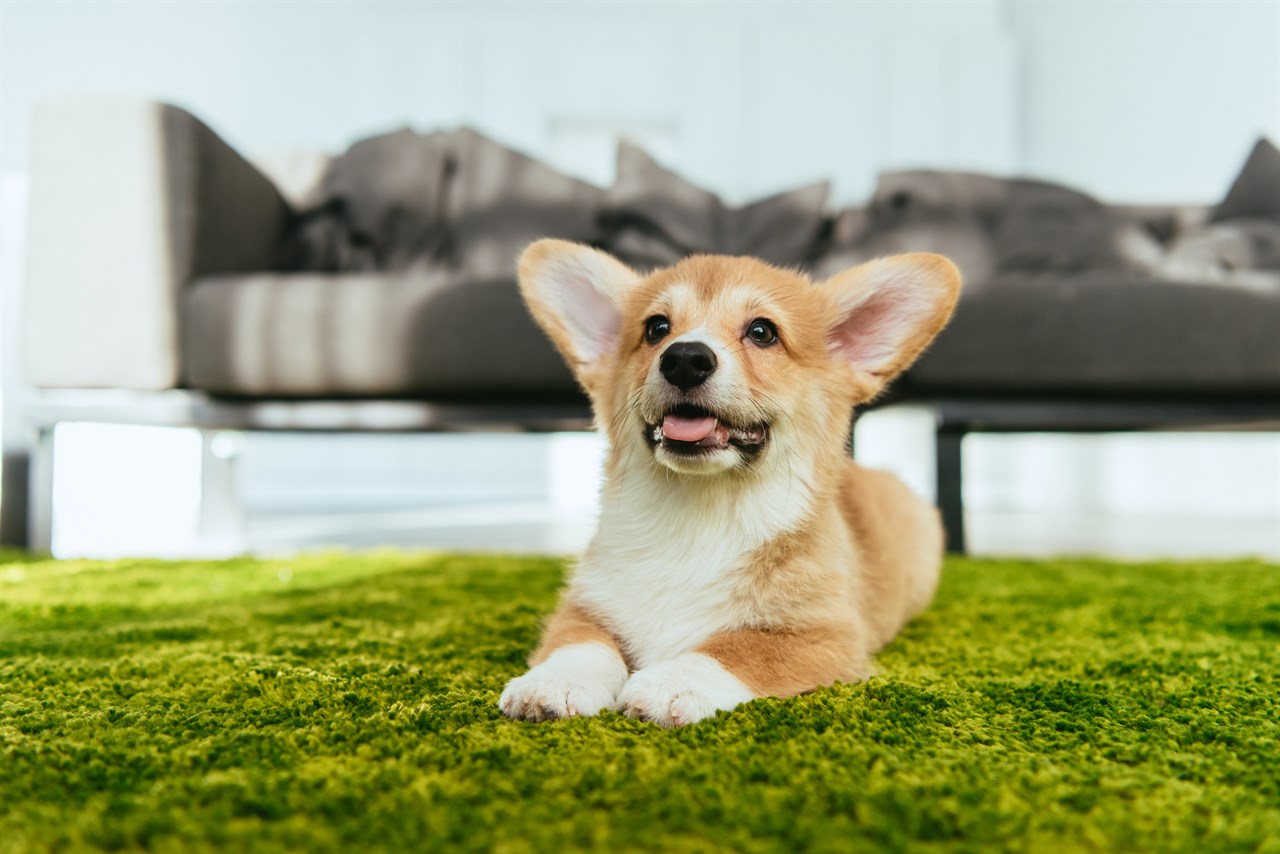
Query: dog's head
<point x="717" y="363"/>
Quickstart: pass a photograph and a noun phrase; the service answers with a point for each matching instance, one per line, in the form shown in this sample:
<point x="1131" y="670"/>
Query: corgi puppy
<point x="740" y="551"/>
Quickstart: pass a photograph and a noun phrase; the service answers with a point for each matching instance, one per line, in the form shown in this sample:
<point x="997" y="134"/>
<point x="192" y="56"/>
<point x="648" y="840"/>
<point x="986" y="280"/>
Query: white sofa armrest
<point x="130" y="201"/>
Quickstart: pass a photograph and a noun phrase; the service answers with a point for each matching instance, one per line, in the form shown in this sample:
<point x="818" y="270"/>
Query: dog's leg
<point x="734" y="667"/>
<point x="576" y="670"/>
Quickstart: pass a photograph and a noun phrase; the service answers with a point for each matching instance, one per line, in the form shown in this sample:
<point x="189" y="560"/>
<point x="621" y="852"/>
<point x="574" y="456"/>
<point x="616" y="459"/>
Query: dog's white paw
<point x="681" y="691"/>
<point x="575" y="680"/>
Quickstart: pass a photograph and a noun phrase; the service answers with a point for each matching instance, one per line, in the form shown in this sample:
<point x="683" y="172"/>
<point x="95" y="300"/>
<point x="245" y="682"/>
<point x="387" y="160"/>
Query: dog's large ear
<point x="887" y="311"/>
<point x="575" y="293"/>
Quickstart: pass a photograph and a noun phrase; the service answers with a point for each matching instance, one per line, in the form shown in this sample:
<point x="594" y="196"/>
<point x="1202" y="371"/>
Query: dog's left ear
<point x="887" y="311"/>
<point x="575" y="293"/>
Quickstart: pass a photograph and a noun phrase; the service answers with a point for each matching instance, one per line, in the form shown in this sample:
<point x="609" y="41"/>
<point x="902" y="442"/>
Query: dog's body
<point x="740" y="552"/>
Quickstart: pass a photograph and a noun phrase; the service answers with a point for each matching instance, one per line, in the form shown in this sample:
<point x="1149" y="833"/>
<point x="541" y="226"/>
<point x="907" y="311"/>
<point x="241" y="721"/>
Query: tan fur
<point x="783" y="663"/>
<point x="899" y="539"/>
<point x="569" y="625"/>
<point x="812" y="602"/>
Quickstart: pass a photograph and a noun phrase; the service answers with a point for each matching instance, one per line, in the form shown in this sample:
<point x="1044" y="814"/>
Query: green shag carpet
<point x="348" y="702"/>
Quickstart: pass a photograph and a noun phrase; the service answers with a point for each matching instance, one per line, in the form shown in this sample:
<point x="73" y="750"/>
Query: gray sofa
<point x="170" y="282"/>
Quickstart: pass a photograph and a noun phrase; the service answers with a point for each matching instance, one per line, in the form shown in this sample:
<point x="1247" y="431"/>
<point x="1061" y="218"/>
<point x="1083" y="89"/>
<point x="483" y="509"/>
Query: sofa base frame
<point x="28" y="502"/>
<point x="28" y="498"/>
<point x="956" y="418"/>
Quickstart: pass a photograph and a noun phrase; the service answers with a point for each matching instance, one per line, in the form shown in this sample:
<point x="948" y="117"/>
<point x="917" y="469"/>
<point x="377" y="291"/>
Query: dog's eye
<point x="762" y="332"/>
<point x="656" y="328"/>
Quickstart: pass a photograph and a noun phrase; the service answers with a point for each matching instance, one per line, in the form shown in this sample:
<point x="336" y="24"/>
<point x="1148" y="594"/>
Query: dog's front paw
<point x="681" y="691"/>
<point x="575" y="680"/>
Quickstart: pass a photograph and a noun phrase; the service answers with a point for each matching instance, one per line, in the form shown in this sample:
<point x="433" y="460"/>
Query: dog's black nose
<point x="687" y="364"/>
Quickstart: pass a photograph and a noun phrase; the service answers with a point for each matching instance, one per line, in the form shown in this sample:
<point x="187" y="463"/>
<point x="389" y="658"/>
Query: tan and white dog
<point x="740" y="553"/>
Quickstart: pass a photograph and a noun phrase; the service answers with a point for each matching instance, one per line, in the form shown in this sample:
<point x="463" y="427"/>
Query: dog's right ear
<point x="575" y="294"/>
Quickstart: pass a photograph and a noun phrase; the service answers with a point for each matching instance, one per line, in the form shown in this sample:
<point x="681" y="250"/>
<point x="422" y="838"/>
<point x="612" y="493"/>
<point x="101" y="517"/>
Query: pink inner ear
<point x="871" y="336"/>
<point x="590" y="318"/>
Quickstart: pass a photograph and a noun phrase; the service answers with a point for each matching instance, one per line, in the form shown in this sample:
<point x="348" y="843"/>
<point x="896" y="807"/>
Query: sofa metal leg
<point x="950" y="493"/>
<point x="40" y="493"/>
<point x="221" y="524"/>
<point x="15" y="483"/>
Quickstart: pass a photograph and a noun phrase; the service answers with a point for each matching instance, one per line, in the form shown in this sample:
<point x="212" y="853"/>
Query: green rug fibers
<point x="341" y="702"/>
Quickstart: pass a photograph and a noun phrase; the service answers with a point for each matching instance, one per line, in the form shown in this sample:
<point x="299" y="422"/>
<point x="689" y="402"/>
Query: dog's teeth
<point x="657" y="432"/>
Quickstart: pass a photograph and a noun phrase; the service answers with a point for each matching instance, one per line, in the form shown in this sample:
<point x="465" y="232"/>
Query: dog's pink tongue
<point x="687" y="429"/>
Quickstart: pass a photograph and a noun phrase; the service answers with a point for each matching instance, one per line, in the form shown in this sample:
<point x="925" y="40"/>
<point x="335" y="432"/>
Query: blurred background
<point x="1131" y="103"/>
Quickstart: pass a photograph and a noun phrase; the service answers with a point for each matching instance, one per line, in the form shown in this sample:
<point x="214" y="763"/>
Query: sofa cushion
<point x="1256" y="190"/>
<point x="428" y="334"/>
<point x="655" y="217"/>
<point x="1105" y="332"/>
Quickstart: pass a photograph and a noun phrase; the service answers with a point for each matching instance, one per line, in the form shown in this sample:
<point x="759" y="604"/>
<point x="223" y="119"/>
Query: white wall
<point x="1147" y="101"/>
<point x="1141" y="101"/>
<point x="745" y="97"/>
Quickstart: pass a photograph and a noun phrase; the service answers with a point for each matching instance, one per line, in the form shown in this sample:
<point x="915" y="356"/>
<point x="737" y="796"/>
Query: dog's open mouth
<point x="692" y="430"/>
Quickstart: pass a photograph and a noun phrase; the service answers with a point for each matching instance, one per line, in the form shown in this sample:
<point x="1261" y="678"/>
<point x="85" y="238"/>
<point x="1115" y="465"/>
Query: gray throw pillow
<point x="391" y="189"/>
<point x="1047" y="227"/>
<point x="687" y="216"/>
<point x="1256" y="191"/>
<point x="783" y="228"/>
<point x="381" y="207"/>
<point x="654" y="217"/>
<point x="1216" y="250"/>
<point x="951" y="213"/>
<point x="500" y="200"/>
<point x="990" y="225"/>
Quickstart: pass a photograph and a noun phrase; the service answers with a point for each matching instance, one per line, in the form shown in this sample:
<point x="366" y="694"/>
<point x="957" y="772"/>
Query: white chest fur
<point x="664" y="570"/>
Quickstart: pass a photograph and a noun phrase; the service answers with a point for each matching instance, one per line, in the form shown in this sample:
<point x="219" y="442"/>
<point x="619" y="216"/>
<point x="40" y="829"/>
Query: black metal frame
<point x="958" y="417"/>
